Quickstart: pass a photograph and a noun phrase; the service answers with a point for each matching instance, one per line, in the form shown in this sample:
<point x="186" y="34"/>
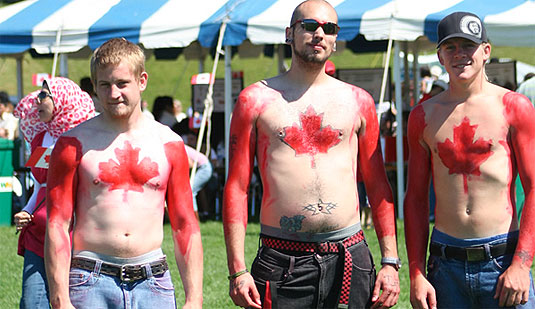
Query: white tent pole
<point x="209" y="101"/>
<point x="385" y="72"/>
<point x="415" y="72"/>
<point x="56" y="52"/>
<point x="386" y="64"/>
<point x="20" y="85"/>
<point x="63" y="65"/>
<point x="399" y="131"/>
<point x="228" y="102"/>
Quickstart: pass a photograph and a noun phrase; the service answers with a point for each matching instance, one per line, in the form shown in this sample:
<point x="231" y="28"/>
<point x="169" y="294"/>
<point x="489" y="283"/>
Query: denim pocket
<point x="162" y="284"/>
<point x="362" y="258"/>
<point x="433" y="266"/>
<point x="81" y="280"/>
<point x="264" y="271"/>
<point x="500" y="263"/>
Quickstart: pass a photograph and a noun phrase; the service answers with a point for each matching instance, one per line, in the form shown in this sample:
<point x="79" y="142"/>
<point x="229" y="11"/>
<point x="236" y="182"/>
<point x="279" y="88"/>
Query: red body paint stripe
<point x="179" y="198"/>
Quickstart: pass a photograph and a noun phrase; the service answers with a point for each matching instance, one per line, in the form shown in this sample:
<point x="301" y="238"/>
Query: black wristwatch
<point x="396" y="262"/>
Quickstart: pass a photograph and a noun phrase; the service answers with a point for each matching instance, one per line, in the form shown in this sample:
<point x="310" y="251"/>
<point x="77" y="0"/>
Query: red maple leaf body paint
<point x="127" y="174"/>
<point x="311" y="138"/>
<point x="179" y="199"/>
<point x="463" y="155"/>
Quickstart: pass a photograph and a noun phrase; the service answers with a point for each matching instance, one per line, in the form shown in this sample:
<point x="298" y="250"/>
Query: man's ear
<point x="439" y="57"/>
<point x="143" y="79"/>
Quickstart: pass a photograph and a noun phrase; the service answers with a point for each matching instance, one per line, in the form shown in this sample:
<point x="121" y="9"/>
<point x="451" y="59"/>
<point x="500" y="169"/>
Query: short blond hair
<point x="112" y="52"/>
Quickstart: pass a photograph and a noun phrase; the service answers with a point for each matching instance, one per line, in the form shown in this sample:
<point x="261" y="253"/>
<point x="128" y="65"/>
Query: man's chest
<point x="462" y="141"/>
<point x="126" y="165"/>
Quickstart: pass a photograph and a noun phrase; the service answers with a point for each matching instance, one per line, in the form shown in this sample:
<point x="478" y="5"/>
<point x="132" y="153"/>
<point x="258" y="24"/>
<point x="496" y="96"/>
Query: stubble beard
<point x="312" y="59"/>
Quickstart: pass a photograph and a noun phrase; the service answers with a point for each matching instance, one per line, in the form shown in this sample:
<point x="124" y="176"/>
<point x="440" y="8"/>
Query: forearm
<point x="416" y="236"/>
<point x="234" y="226"/>
<point x="57" y="263"/>
<point x="191" y="268"/>
<point x="525" y="248"/>
<point x="235" y="243"/>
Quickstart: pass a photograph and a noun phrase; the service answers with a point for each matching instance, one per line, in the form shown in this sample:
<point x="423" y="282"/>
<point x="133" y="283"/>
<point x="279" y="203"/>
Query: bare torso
<point x="472" y="165"/>
<point x="307" y="148"/>
<point x="122" y="182"/>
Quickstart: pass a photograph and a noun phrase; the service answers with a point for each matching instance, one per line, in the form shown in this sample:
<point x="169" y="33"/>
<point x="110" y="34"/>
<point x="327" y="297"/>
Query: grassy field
<point x="172" y="77"/>
<point x="215" y="265"/>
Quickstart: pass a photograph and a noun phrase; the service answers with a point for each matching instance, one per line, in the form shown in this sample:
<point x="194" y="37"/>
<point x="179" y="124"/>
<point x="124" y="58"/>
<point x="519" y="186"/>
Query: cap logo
<point x="471" y="25"/>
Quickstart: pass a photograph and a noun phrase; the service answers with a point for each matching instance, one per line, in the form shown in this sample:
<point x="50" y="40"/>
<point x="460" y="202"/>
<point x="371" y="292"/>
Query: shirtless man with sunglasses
<point x="308" y="131"/>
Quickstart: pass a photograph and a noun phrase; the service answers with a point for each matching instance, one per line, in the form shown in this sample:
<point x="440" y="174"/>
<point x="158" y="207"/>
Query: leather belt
<point x="126" y="272"/>
<point x="325" y="247"/>
<point x="472" y="254"/>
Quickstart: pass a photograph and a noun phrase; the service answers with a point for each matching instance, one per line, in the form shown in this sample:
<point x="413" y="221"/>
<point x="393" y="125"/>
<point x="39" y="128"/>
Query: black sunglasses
<point x="312" y="25"/>
<point x="43" y="95"/>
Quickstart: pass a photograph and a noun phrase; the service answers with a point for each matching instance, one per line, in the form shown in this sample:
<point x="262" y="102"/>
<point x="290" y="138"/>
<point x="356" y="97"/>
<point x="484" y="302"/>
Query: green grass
<point x="215" y="289"/>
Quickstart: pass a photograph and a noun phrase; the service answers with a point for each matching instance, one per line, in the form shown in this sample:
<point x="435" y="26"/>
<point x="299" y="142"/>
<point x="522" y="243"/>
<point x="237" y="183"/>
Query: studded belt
<point x="325" y="247"/>
<point x="126" y="272"/>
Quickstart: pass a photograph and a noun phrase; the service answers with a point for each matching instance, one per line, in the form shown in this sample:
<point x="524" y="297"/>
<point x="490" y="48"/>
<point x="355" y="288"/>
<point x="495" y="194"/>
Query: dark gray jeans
<point x="311" y="280"/>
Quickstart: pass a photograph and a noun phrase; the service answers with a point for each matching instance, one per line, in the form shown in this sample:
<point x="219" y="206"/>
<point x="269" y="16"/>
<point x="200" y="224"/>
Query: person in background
<point x="527" y="87"/>
<point x="144" y="107"/>
<point x="44" y="115"/>
<point x="203" y="173"/>
<point x="177" y="111"/>
<point x="163" y="111"/>
<point x="9" y="124"/>
<point x="87" y="86"/>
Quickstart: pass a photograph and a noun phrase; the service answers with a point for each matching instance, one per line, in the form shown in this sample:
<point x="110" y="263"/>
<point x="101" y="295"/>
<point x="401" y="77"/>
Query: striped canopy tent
<point x="69" y="26"/>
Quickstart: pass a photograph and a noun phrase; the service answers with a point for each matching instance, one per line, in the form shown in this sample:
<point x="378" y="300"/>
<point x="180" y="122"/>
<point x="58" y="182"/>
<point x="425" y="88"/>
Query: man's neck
<point x="463" y="89"/>
<point x="124" y="124"/>
<point x="306" y="76"/>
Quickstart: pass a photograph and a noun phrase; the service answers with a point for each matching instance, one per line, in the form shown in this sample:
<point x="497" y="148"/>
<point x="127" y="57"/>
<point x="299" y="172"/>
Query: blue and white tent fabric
<point x="70" y="25"/>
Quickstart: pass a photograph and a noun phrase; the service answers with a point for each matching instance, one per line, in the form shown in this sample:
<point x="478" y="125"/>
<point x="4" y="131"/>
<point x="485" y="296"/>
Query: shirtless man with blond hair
<point x="110" y="179"/>
<point x="472" y="139"/>
<point x="308" y="131"/>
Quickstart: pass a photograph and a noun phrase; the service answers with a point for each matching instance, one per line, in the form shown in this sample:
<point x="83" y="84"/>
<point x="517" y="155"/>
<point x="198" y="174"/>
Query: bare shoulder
<point x="86" y="128"/>
<point x="161" y="132"/>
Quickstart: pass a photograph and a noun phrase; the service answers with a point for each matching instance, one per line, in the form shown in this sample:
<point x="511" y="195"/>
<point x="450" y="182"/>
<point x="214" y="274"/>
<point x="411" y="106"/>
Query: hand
<point x="22" y="219"/>
<point x="387" y="281"/>
<point x="243" y="292"/>
<point x="513" y="286"/>
<point x="422" y="294"/>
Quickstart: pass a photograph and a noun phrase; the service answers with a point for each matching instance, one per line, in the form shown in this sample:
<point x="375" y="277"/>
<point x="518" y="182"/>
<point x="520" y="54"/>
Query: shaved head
<point x="304" y="6"/>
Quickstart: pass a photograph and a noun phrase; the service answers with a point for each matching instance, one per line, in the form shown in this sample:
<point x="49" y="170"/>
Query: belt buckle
<point x="475" y="254"/>
<point x="122" y="273"/>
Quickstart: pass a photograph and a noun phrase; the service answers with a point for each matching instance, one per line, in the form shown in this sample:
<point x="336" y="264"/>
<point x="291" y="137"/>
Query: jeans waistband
<point x="310" y="237"/>
<point x="445" y="239"/>
<point x="141" y="259"/>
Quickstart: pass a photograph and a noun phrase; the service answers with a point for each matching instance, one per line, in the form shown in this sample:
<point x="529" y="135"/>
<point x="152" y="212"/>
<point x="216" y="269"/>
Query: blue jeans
<point x="460" y="284"/>
<point x="91" y="289"/>
<point x="202" y="175"/>
<point x="34" y="285"/>
<point x="311" y="280"/>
